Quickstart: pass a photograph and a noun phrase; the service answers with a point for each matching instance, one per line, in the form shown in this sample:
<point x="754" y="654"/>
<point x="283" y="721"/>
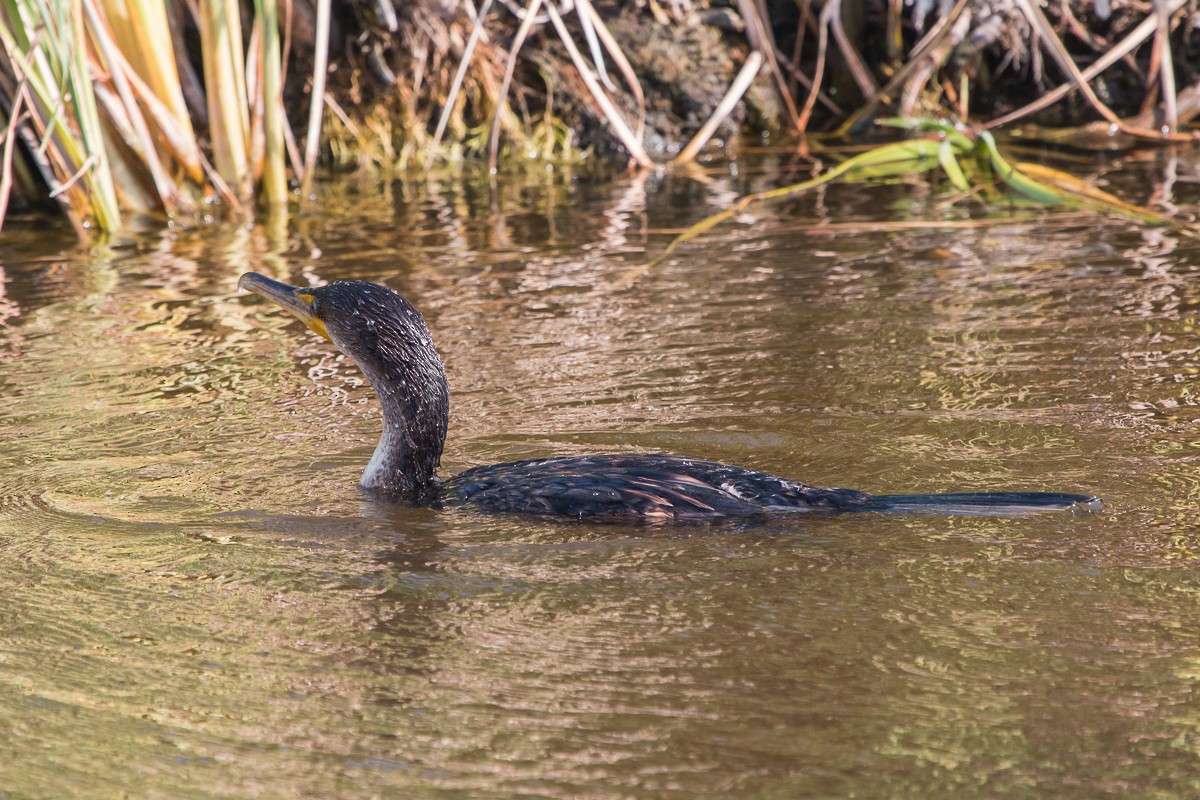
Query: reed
<point x="225" y="80"/>
<point x="274" y="176"/>
<point x="44" y="45"/>
<point x="96" y="100"/>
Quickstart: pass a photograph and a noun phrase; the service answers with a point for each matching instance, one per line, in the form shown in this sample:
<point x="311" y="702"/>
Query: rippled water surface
<point x="197" y="602"/>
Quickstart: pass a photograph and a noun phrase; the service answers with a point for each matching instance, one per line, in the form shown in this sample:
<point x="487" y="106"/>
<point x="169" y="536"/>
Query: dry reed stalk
<point x="758" y="34"/>
<point x="225" y="77"/>
<point x="256" y="135"/>
<point x="16" y="116"/>
<point x="274" y="177"/>
<point x="518" y="42"/>
<point x="1187" y="107"/>
<point x="589" y="36"/>
<point x="180" y="143"/>
<point x="930" y="44"/>
<point x="143" y="37"/>
<point x="1050" y="40"/>
<point x="1166" y="68"/>
<point x="741" y="83"/>
<point x="620" y="127"/>
<point x="290" y="147"/>
<point x="32" y="69"/>
<point x="822" y="51"/>
<point x="106" y="124"/>
<point x="793" y="84"/>
<point x="798" y="78"/>
<point x="858" y="70"/>
<point x="461" y="73"/>
<point x="928" y="66"/>
<point x="618" y="57"/>
<point x="1131" y="42"/>
<point x="1062" y="219"/>
<point x="141" y="142"/>
<point x="312" y="140"/>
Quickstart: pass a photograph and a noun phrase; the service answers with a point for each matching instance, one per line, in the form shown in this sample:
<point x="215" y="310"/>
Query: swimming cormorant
<point x="387" y="338"/>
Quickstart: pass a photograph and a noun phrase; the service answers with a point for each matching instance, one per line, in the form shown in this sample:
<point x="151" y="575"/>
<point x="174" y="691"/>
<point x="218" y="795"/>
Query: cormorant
<point x="387" y="338"/>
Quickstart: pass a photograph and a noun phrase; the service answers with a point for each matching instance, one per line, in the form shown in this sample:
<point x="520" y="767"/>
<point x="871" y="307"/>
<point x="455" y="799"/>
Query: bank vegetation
<point x="187" y="108"/>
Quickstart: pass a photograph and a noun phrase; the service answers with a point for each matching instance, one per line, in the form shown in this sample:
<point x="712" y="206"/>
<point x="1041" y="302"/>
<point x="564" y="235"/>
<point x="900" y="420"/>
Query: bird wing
<point x="649" y="487"/>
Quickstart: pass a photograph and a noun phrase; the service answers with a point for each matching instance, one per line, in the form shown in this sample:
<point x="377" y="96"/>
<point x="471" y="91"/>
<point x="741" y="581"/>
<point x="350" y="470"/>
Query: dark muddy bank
<point x="827" y="66"/>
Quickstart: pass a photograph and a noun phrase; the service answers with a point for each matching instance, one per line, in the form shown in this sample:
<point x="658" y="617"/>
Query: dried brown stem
<point x="818" y="76"/>
<point x="858" y="70"/>
<point x="1166" y="67"/>
<point x="620" y="127"/>
<point x="1058" y="51"/>
<point x="518" y="41"/>
<point x="741" y="83"/>
<point x="919" y="60"/>
<point x="758" y="33"/>
<point x="1131" y="42"/>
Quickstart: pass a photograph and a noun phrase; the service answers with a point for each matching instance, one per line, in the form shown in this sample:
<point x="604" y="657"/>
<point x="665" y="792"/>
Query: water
<point x="196" y="601"/>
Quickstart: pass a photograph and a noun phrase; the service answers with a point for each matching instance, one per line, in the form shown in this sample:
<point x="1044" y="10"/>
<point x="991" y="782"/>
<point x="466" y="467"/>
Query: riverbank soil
<point x="396" y="67"/>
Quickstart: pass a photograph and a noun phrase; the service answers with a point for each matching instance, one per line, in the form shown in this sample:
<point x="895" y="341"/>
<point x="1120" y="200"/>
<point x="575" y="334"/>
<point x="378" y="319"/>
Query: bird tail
<point x="986" y="503"/>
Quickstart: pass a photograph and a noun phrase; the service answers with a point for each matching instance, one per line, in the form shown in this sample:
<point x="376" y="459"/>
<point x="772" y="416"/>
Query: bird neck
<point x="416" y="412"/>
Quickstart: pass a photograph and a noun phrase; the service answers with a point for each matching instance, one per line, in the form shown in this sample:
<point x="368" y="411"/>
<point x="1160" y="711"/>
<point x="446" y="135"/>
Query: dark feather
<point x="653" y="487"/>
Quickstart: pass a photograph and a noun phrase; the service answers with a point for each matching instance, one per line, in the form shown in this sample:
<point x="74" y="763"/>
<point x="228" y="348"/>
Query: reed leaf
<point x="225" y="78"/>
<point x="143" y="36"/>
<point x="139" y="139"/>
<point x="63" y="107"/>
<point x="943" y="146"/>
<point x="1082" y="195"/>
<point x="274" y="179"/>
<point x="949" y="163"/>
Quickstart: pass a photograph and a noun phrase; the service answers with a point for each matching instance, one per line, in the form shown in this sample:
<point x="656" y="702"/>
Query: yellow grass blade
<point x="1082" y="195"/>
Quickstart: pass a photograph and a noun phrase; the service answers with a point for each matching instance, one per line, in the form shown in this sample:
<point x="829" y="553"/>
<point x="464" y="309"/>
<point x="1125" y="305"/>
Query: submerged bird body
<point x="650" y="486"/>
<point x="389" y="341"/>
<point x="656" y="487"/>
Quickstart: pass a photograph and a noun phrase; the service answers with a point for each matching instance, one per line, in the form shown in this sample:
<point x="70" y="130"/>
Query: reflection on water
<point x="197" y="601"/>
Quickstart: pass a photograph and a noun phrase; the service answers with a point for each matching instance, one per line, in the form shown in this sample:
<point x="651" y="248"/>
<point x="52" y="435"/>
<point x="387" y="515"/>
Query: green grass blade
<point x="951" y="167"/>
<point x="1018" y="181"/>
<point x="104" y="194"/>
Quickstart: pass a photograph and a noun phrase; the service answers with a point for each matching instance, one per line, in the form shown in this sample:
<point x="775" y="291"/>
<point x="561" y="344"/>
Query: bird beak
<point x="292" y="298"/>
